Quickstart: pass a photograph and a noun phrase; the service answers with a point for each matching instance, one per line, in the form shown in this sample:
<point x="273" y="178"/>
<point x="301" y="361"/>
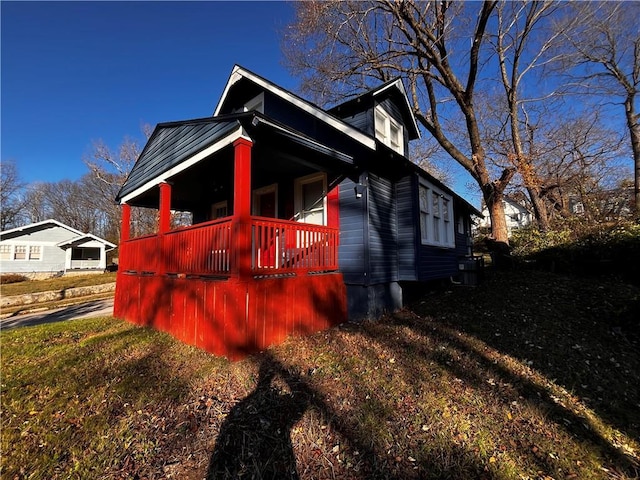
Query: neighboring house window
<point x="578" y="208"/>
<point x="310" y="199"/>
<point x="5" y="252"/>
<point x="219" y="210"/>
<point x="436" y="227"/>
<point x="20" y="252"/>
<point x="388" y="130"/>
<point x="35" y="253"/>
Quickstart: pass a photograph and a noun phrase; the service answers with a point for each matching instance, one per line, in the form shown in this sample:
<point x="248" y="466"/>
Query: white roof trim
<point x="86" y="235"/>
<point x="297" y="135"/>
<point x="42" y="223"/>
<point x="398" y="83"/>
<point x="201" y="155"/>
<point x="238" y="73"/>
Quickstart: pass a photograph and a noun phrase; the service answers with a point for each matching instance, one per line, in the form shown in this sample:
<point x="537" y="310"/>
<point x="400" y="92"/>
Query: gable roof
<point x="38" y="225"/>
<point x="51" y="222"/>
<point x="238" y="73"/>
<point x="172" y="143"/>
<point x="86" y="236"/>
<point x="393" y="87"/>
<point x="198" y="138"/>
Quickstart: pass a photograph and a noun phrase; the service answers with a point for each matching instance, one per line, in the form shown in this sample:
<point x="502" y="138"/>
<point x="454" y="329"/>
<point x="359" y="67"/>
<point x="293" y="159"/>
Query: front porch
<point x="236" y="284"/>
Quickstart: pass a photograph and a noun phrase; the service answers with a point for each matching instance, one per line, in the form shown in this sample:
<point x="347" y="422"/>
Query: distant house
<point x="302" y="218"/>
<point x="516" y="214"/>
<point x="50" y="247"/>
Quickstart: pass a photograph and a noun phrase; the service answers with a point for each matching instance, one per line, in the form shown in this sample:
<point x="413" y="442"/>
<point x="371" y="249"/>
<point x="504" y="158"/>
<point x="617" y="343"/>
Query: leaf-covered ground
<point x="530" y="375"/>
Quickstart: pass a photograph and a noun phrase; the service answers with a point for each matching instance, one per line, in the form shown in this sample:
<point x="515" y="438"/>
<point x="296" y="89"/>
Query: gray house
<point x="49" y="247"/>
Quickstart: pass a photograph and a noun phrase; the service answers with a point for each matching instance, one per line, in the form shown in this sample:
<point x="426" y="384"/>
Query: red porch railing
<point x="281" y="247"/>
<point x="278" y="247"/>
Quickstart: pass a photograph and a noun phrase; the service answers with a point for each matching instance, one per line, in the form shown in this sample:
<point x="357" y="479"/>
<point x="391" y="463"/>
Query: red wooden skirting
<point x="231" y="318"/>
<point x="184" y="282"/>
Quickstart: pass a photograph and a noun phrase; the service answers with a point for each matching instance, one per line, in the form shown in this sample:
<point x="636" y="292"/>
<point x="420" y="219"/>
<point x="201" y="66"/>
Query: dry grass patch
<point x="431" y="392"/>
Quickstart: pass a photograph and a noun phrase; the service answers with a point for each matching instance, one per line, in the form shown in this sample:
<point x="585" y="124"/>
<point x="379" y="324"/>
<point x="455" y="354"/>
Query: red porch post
<point x="125" y="229"/>
<point x="164" y="224"/>
<point x="242" y="206"/>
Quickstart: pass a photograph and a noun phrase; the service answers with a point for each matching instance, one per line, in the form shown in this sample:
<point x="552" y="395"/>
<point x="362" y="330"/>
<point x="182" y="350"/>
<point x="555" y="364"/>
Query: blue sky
<point x="75" y="72"/>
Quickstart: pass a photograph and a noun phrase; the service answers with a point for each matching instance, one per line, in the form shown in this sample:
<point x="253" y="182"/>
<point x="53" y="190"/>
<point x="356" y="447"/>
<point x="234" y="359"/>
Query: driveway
<point x="96" y="308"/>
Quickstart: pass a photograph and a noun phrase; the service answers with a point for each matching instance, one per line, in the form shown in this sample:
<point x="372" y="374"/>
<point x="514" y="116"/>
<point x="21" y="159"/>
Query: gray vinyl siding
<point x="383" y="249"/>
<point x="53" y="259"/>
<point x="437" y="263"/>
<point x="408" y="222"/>
<point x="351" y="253"/>
<point x="362" y="121"/>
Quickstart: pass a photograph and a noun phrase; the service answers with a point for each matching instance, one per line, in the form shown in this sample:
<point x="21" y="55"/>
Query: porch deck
<point x="191" y="283"/>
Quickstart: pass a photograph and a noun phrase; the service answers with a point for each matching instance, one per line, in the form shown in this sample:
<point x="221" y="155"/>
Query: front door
<point x="265" y="202"/>
<point x="310" y="193"/>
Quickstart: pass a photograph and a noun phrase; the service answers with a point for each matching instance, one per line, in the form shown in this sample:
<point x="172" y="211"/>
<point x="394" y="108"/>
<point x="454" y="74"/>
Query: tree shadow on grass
<point x="527" y="389"/>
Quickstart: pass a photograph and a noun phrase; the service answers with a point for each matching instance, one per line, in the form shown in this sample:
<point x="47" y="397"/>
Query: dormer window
<point x="388" y="130"/>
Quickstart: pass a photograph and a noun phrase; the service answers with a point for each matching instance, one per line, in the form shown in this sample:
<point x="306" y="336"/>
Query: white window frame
<point x="9" y="252"/>
<point x="435" y="222"/>
<point x="383" y="123"/>
<point x="261" y="191"/>
<point x="298" y="201"/>
<point x="12" y="247"/>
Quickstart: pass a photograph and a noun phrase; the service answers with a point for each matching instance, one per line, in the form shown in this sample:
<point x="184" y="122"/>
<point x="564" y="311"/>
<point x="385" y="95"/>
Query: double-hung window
<point x="436" y="227"/>
<point x="388" y="130"/>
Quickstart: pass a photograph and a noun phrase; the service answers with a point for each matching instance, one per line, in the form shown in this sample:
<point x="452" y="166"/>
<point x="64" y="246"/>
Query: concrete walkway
<point x="96" y="308"/>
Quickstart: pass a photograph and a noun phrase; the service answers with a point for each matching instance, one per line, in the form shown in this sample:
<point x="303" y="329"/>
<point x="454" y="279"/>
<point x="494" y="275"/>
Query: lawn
<point x="57" y="283"/>
<point x="530" y="375"/>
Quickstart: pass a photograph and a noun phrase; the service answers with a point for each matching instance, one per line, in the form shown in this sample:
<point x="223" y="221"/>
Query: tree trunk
<point x="495" y="206"/>
<point x="633" y="123"/>
<point x="539" y="210"/>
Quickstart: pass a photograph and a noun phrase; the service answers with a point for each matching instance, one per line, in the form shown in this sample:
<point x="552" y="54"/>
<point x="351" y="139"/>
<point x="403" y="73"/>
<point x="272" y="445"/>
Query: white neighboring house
<point x="50" y="247"/>
<point x="517" y="216"/>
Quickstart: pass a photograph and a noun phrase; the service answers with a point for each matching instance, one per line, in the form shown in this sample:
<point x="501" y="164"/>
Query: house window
<point x="388" y="130"/>
<point x="446" y="230"/>
<point x="436" y="216"/>
<point x="5" y="252"/>
<point x="20" y="252"/>
<point x="219" y="210"/>
<point x="35" y="252"/>
<point x="310" y="199"/>
<point x="436" y="227"/>
<point x="424" y="213"/>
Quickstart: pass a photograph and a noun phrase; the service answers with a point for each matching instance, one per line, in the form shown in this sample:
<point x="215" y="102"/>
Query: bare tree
<point x="11" y="196"/>
<point x="108" y="171"/>
<point x="339" y="47"/>
<point x="522" y="42"/>
<point x="602" y="48"/>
